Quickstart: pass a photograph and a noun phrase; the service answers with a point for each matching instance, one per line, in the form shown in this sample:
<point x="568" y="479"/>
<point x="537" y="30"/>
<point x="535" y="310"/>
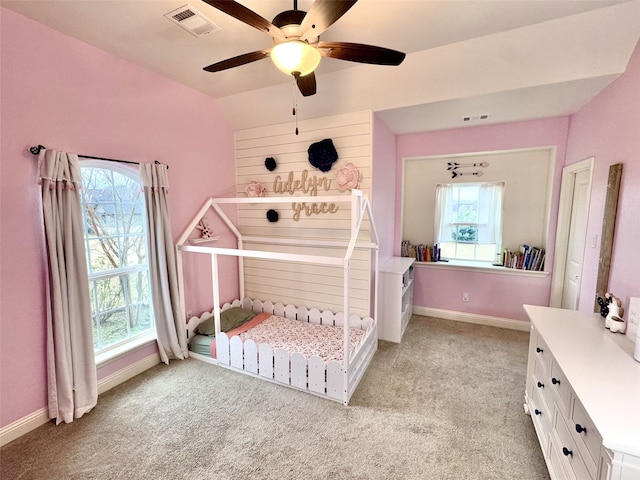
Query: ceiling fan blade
<point x="323" y="14"/>
<point x="357" y="52"/>
<point x="237" y="61"/>
<point x="307" y="84"/>
<point x="251" y="18"/>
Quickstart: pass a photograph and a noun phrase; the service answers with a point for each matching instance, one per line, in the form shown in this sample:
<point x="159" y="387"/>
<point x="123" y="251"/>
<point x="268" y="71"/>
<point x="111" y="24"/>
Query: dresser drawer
<point x="542" y="353"/>
<point x="542" y="416"/>
<point x="557" y="382"/>
<point x="542" y="383"/>
<point x="605" y="469"/>
<point x="556" y="463"/>
<point x="584" y="432"/>
<point x="568" y="451"/>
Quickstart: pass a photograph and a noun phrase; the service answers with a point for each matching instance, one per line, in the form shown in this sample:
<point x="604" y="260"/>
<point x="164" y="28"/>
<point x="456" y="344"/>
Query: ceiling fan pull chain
<point x="295" y="103"/>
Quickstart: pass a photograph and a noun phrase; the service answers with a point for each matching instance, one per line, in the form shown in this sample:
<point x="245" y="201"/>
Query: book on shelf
<point x="421" y="252"/>
<point x="525" y="257"/>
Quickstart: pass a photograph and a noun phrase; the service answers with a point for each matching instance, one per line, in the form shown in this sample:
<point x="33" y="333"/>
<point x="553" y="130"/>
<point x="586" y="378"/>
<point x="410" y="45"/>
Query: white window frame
<point x="110" y="352"/>
<point x="488" y="225"/>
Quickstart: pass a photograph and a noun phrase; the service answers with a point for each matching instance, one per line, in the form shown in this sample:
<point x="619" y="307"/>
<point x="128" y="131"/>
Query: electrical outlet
<point x="465" y="297"/>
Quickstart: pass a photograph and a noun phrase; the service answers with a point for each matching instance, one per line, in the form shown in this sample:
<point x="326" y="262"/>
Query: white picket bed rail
<point x="294" y="370"/>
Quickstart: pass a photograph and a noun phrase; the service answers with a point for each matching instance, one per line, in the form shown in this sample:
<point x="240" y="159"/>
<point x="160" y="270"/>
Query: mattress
<point x="307" y="339"/>
<point x="201" y="344"/>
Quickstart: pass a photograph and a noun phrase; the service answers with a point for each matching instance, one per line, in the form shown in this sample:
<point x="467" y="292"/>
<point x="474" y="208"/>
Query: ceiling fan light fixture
<point x="295" y="56"/>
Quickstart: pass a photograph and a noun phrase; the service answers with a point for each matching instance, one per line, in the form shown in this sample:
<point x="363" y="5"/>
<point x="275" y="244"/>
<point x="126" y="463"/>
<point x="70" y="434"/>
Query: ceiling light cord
<point x="295" y="100"/>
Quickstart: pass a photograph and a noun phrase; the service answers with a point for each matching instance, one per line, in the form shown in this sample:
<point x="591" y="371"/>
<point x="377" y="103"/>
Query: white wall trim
<point x="473" y="318"/>
<point x="421" y="174"/>
<point x="24" y="425"/>
<point x="128" y="372"/>
<point x="564" y="221"/>
<point x="41" y="416"/>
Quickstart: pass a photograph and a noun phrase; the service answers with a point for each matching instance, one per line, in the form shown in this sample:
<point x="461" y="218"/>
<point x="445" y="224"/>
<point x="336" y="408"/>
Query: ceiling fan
<point x="296" y="34"/>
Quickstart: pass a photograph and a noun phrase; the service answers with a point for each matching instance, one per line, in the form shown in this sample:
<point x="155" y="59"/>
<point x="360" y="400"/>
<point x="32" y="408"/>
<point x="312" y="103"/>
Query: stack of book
<point x="422" y="253"/>
<point x="525" y="258"/>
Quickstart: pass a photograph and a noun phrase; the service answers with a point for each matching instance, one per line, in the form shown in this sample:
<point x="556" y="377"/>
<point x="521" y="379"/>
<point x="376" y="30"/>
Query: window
<point x="468" y="220"/>
<point x="115" y="235"/>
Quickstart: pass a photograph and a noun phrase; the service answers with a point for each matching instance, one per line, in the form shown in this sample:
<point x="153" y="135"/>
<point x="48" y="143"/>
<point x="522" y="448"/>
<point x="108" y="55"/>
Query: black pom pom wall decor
<point x="322" y="154"/>
<point x="272" y="216"/>
<point x="270" y="163"/>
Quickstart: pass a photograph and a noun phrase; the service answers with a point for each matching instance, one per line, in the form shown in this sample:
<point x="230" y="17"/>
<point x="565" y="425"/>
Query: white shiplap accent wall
<point x="304" y="284"/>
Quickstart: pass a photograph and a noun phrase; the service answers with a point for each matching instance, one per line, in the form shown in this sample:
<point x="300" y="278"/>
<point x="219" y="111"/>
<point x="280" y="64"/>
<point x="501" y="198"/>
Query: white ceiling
<point x="511" y="59"/>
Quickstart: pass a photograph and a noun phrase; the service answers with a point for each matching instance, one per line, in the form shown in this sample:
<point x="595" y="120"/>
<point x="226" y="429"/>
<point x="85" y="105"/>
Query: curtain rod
<point x="36" y="151"/>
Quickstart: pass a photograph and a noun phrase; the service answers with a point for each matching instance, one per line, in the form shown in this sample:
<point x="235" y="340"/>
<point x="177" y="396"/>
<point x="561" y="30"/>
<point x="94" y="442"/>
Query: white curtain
<point x="71" y="369"/>
<point x="170" y="326"/>
<point x="490" y="213"/>
<point x="443" y="213"/>
<point x="489" y="221"/>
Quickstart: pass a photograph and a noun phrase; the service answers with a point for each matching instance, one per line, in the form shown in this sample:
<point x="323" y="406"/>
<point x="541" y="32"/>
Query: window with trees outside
<point x="115" y="231"/>
<point x="468" y="220"/>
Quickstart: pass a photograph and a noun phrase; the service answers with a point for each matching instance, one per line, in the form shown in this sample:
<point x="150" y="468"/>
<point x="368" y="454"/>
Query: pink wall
<point x="68" y="95"/>
<point x="608" y="128"/>
<point x="490" y="294"/>
<point x="383" y="186"/>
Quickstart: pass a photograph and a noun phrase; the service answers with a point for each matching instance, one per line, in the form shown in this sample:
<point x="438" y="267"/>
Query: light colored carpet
<point x="444" y="404"/>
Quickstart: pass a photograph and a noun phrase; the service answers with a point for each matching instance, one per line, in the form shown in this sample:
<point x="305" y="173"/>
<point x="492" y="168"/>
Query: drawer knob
<point x="537" y="412"/>
<point x="580" y="428"/>
<point x="555" y="381"/>
<point x="540" y="385"/>
<point x="566" y="452"/>
<point x="539" y="350"/>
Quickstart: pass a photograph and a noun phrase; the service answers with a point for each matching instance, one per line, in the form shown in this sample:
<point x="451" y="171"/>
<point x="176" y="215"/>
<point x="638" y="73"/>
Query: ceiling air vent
<point x="475" y="118"/>
<point x="192" y="21"/>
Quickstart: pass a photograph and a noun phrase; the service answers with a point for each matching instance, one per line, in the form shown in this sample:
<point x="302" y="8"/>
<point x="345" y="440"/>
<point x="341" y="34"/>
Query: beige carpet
<point x="444" y="404"/>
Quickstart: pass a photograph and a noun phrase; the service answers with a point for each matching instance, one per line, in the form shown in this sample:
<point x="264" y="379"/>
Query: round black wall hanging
<point x="322" y="154"/>
<point x="270" y="163"/>
<point x="272" y="216"/>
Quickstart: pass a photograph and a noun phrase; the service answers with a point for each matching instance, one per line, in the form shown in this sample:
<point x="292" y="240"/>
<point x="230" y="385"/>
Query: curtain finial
<point x="36" y="150"/>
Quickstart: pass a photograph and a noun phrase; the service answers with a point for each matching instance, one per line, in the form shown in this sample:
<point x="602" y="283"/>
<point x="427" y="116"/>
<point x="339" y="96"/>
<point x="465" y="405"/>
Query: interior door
<point x="576" y="242"/>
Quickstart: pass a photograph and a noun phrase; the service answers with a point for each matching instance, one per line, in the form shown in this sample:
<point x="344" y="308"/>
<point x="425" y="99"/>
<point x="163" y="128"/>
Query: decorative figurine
<point x="614" y="321"/>
<point x="205" y="229"/>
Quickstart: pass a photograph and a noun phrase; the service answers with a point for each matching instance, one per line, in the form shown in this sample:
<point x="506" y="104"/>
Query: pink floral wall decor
<point x="255" y="189"/>
<point x="348" y="177"/>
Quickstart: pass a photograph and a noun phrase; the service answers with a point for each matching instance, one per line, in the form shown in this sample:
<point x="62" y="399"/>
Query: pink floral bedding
<point x="308" y="339"/>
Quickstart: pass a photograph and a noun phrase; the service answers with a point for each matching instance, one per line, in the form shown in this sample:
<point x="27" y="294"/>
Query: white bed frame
<point x="334" y="380"/>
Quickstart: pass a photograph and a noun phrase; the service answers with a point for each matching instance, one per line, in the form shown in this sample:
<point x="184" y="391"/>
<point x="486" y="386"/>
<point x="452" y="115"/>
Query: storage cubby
<point x="396" y="298"/>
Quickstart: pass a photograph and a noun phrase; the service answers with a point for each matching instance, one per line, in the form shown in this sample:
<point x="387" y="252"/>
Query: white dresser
<point x="396" y="297"/>
<point x="583" y="394"/>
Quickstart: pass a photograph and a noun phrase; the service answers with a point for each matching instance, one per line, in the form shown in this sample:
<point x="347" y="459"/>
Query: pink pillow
<point x="257" y="320"/>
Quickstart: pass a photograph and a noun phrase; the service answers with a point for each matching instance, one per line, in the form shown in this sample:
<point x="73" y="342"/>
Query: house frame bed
<point x="334" y="380"/>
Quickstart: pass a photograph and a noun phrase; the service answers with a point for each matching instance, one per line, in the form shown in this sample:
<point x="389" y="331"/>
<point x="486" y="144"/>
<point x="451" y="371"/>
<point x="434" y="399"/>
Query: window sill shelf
<point x="480" y="267"/>
<point x="115" y="353"/>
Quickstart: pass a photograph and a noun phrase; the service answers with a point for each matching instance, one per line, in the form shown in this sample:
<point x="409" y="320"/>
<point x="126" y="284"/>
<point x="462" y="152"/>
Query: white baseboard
<point x="473" y="318"/>
<point x="130" y="371"/>
<point x="24" y="425"/>
<point x="40" y="417"/>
